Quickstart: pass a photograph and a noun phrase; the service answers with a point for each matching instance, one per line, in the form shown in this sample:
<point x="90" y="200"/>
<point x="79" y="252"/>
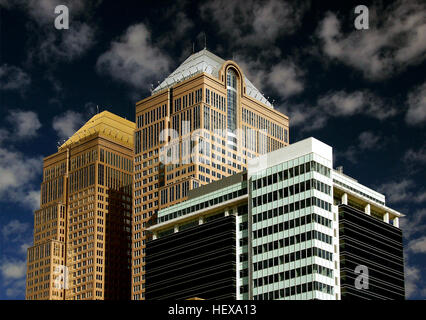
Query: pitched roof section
<point x="104" y="124"/>
<point x="205" y="61"/>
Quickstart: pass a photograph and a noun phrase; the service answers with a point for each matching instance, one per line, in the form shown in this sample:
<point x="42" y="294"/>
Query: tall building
<point x="82" y="231"/>
<point x="368" y="240"/>
<point x="291" y="227"/>
<point x="202" y="123"/>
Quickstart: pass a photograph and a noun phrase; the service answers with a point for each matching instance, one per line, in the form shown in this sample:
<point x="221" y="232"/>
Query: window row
<point x="215" y="100"/>
<point x="151" y="116"/>
<point x="290" y="173"/>
<point x="116" y="160"/>
<point x="203" y="205"/>
<point x="298" y="289"/>
<point x="292" y="190"/>
<point x="294" y="273"/>
<point x="293" y="256"/>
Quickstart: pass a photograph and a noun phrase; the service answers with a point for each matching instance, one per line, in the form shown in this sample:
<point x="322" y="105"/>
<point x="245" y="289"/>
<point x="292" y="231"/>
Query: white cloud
<point x="16" y="289"/>
<point x="412" y="280"/>
<point x="13" y="272"/>
<point x="26" y="123"/>
<point x="416" y="113"/>
<point x="395" y="40"/>
<point x="32" y="199"/>
<point x="285" y="79"/>
<point x="337" y="104"/>
<point x="254" y="23"/>
<point x="14" y="229"/>
<point x="414" y="223"/>
<point x="17" y="172"/>
<point x="4" y="135"/>
<point x="416" y="156"/>
<point x="13" y="78"/>
<point x="342" y="103"/>
<point x="54" y="45"/>
<point x="66" y="45"/>
<point x="134" y="59"/>
<point x="13" y="269"/>
<point x="417" y="245"/>
<point x="368" y="140"/>
<point x="24" y="246"/>
<point x="404" y="190"/>
<point x="309" y="118"/>
<point x="67" y="123"/>
<point x="397" y="191"/>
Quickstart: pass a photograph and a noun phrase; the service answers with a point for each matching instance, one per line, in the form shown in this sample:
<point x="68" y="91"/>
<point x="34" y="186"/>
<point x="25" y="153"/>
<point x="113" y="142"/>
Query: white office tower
<point x="294" y="226"/>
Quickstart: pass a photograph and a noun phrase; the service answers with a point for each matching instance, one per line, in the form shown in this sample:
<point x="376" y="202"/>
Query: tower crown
<point x="106" y="124"/>
<point x="208" y="62"/>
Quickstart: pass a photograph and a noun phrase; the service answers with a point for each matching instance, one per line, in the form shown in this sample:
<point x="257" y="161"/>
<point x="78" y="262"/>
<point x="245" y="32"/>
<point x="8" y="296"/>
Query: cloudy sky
<point x="361" y="91"/>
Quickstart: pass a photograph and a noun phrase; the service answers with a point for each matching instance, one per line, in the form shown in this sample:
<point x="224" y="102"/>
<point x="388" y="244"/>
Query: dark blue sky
<point x="361" y="91"/>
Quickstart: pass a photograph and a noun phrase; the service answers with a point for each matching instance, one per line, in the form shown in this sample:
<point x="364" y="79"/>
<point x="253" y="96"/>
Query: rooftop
<point x="104" y="124"/>
<point x="205" y="61"/>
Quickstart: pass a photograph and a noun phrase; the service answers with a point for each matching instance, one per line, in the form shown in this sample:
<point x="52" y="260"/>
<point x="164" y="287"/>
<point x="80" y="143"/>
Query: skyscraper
<point x="291" y="227"/>
<point x="202" y="123"/>
<point x="83" y="227"/>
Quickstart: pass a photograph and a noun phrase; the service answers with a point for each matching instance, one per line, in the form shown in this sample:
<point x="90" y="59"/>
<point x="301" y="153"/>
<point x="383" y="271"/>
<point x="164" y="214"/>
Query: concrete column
<point x="201" y="220"/>
<point x="396" y="222"/>
<point x="226" y="212"/>
<point x="154" y="235"/>
<point x="367" y="209"/>
<point x="345" y="198"/>
<point x="386" y="217"/>
<point x="176" y="228"/>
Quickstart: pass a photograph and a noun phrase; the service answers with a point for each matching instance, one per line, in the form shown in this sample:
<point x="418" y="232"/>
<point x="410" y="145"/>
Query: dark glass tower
<point x="368" y="241"/>
<point x="198" y="261"/>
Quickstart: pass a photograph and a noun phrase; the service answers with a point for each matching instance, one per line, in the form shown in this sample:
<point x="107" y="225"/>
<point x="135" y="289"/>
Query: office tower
<point x="202" y="123"/>
<point x="298" y="229"/>
<point x="197" y="255"/>
<point x="82" y="231"/>
<point x="368" y="240"/>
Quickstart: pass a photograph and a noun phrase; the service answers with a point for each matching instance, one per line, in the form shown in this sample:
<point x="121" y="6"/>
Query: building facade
<point x="296" y="223"/>
<point x="368" y="242"/>
<point x="202" y="123"/>
<point x="82" y="231"/>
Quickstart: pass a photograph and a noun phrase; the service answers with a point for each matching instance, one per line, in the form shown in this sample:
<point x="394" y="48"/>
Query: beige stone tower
<point x="216" y="120"/>
<point x="83" y="227"/>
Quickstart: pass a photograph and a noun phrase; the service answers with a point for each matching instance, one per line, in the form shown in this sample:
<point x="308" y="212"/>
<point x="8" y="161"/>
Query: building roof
<point x="205" y="61"/>
<point x="104" y="124"/>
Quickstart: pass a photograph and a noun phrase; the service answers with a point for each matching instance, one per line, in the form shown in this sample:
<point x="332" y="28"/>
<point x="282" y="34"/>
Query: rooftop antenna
<point x="193" y="47"/>
<point x="205" y="41"/>
<point x="97" y="108"/>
